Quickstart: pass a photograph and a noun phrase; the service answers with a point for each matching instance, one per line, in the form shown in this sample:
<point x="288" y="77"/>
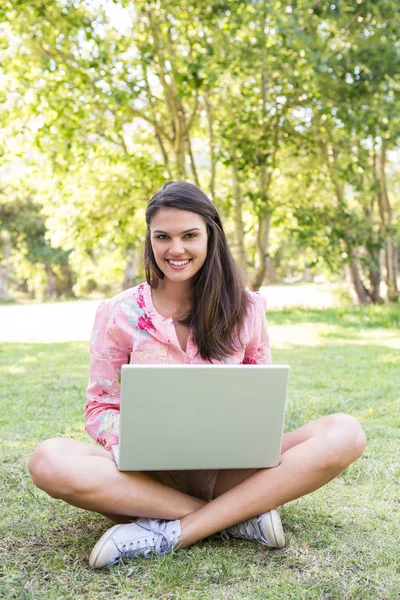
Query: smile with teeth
<point x="178" y="263"/>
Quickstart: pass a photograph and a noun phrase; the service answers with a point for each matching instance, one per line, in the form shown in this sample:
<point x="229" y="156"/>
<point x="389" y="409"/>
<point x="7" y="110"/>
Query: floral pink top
<point x="128" y="329"/>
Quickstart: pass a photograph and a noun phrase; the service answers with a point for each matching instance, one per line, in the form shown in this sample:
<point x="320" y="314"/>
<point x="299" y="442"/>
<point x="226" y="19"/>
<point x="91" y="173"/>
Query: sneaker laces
<point x="248" y="530"/>
<point x="162" y="545"/>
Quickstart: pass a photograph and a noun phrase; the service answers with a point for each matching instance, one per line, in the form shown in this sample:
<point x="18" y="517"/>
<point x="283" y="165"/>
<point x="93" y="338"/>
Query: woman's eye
<point x="162" y="236"/>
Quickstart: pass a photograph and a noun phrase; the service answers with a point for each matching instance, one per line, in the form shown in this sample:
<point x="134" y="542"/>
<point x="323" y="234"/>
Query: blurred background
<point x="286" y="113"/>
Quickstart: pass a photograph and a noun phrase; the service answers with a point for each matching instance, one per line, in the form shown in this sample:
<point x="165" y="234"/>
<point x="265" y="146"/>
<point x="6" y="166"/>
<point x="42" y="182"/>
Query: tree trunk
<point x="264" y="217"/>
<point x="51" y="287"/>
<point x="164" y="153"/>
<point x="241" y="257"/>
<point x="263" y="231"/>
<point x="65" y="283"/>
<point x="192" y="162"/>
<point x="179" y="152"/>
<point x="24" y="287"/>
<point x="391" y="280"/>
<point x="361" y="291"/>
<point x="262" y="250"/>
<point x="156" y="132"/>
<point x="272" y="277"/>
<point x="130" y="271"/>
<point x="211" y="144"/>
<point x="307" y="276"/>
<point x="391" y="244"/>
<point x="396" y="262"/>
<point x="4" y="293"/>
<point x="374" y="277"/>
<point x="177" y="137"/>
<point x="359" y="288"/>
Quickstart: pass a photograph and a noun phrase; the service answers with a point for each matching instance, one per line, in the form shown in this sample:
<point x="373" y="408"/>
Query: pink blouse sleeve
<point x="258" y="351"/>
<point x="108" y="352"/>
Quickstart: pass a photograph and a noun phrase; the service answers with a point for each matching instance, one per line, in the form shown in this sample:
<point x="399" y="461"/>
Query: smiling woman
<point x="184" y="225"/>
<point x="192" y="309"/>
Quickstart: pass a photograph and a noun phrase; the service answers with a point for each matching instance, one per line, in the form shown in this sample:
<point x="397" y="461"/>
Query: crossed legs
<point x="86" y="476"/>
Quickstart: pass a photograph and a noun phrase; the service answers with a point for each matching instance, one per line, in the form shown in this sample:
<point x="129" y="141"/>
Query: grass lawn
<point x="342" y="540"/>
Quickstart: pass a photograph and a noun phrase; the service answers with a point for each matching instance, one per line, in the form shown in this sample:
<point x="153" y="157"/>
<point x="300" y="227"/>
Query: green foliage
<point x="24" y="224"/>
<point x="108" y="101"/>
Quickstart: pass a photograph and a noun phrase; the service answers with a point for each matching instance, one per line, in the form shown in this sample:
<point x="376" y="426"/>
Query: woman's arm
<point x="109" y="350"/>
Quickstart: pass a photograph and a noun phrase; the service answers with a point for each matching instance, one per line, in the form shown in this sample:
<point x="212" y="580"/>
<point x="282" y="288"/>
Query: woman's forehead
<point x="176" y="220"/>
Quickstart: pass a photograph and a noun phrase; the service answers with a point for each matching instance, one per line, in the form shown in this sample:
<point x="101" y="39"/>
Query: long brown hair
<point x="219" y="301"/>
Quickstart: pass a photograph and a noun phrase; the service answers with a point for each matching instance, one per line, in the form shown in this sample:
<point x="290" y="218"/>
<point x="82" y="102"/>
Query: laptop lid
<point x="201" y="416"/>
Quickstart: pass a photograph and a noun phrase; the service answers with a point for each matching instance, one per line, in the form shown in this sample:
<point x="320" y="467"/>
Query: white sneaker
<point x="266" y="529"/>
<point x="140" y="538"/>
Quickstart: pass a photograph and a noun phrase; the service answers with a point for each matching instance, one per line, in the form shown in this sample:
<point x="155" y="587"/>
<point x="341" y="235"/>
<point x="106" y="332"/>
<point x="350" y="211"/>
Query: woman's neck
<point x="173" y="298"/>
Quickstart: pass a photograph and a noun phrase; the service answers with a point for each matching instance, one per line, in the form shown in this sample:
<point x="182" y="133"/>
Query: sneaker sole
<point x="95" y="553"/>
<point x="272" y="525"/>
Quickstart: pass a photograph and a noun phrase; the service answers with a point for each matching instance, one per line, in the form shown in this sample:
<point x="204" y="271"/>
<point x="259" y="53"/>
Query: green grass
<point x="342" y="540"/>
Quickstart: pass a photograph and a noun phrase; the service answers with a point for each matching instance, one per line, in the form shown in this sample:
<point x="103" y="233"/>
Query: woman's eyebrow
<point x="186" y="231"/>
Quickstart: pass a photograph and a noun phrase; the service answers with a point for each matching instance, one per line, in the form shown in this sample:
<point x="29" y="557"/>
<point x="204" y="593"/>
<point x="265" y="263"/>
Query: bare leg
<point x="86" y="476"/>
<point x="311" y="456"/>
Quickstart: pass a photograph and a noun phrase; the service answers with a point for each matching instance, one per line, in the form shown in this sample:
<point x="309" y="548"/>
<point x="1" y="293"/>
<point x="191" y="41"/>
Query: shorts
<point x="195" y="482"/>
<point x="198" y="483"/>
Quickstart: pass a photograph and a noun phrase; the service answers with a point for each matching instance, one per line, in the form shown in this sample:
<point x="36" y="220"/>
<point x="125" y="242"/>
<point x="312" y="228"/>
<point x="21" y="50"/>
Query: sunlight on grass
<point x="17" y="444"/>
<point x="287" y="336"/>
<point x="29" y="359"/>
<point x="13" y="369"/>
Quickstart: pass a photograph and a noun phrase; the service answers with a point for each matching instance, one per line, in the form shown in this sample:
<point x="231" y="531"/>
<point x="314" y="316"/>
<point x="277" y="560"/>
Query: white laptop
<point x="201" y="416"/>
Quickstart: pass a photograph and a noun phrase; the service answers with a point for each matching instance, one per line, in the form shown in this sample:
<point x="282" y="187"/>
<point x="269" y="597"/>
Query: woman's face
<point x="178" y="236"/>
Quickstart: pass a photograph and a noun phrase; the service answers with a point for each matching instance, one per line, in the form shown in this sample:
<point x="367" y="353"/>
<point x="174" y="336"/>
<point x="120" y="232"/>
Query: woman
<point x="193" y="308"/>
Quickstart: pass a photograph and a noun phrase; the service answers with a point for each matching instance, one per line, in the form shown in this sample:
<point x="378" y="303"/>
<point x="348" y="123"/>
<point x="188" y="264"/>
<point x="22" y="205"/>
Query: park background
<point x="287" y="115"/>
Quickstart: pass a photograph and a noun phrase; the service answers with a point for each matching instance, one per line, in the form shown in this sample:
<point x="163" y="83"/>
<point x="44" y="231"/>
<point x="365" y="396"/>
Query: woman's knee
<point x="344" y="440"/>
<point x="47" y="466"/>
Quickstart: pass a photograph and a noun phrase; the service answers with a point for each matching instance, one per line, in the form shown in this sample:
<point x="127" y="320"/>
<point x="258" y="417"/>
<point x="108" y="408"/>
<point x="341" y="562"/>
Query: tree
<point x="22" y="225"/>
<point x="227" y="95"/>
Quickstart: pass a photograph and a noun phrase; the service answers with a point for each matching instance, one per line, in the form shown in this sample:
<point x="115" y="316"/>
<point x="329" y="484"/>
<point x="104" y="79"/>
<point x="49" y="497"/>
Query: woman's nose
<point x="176" y="247"/>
